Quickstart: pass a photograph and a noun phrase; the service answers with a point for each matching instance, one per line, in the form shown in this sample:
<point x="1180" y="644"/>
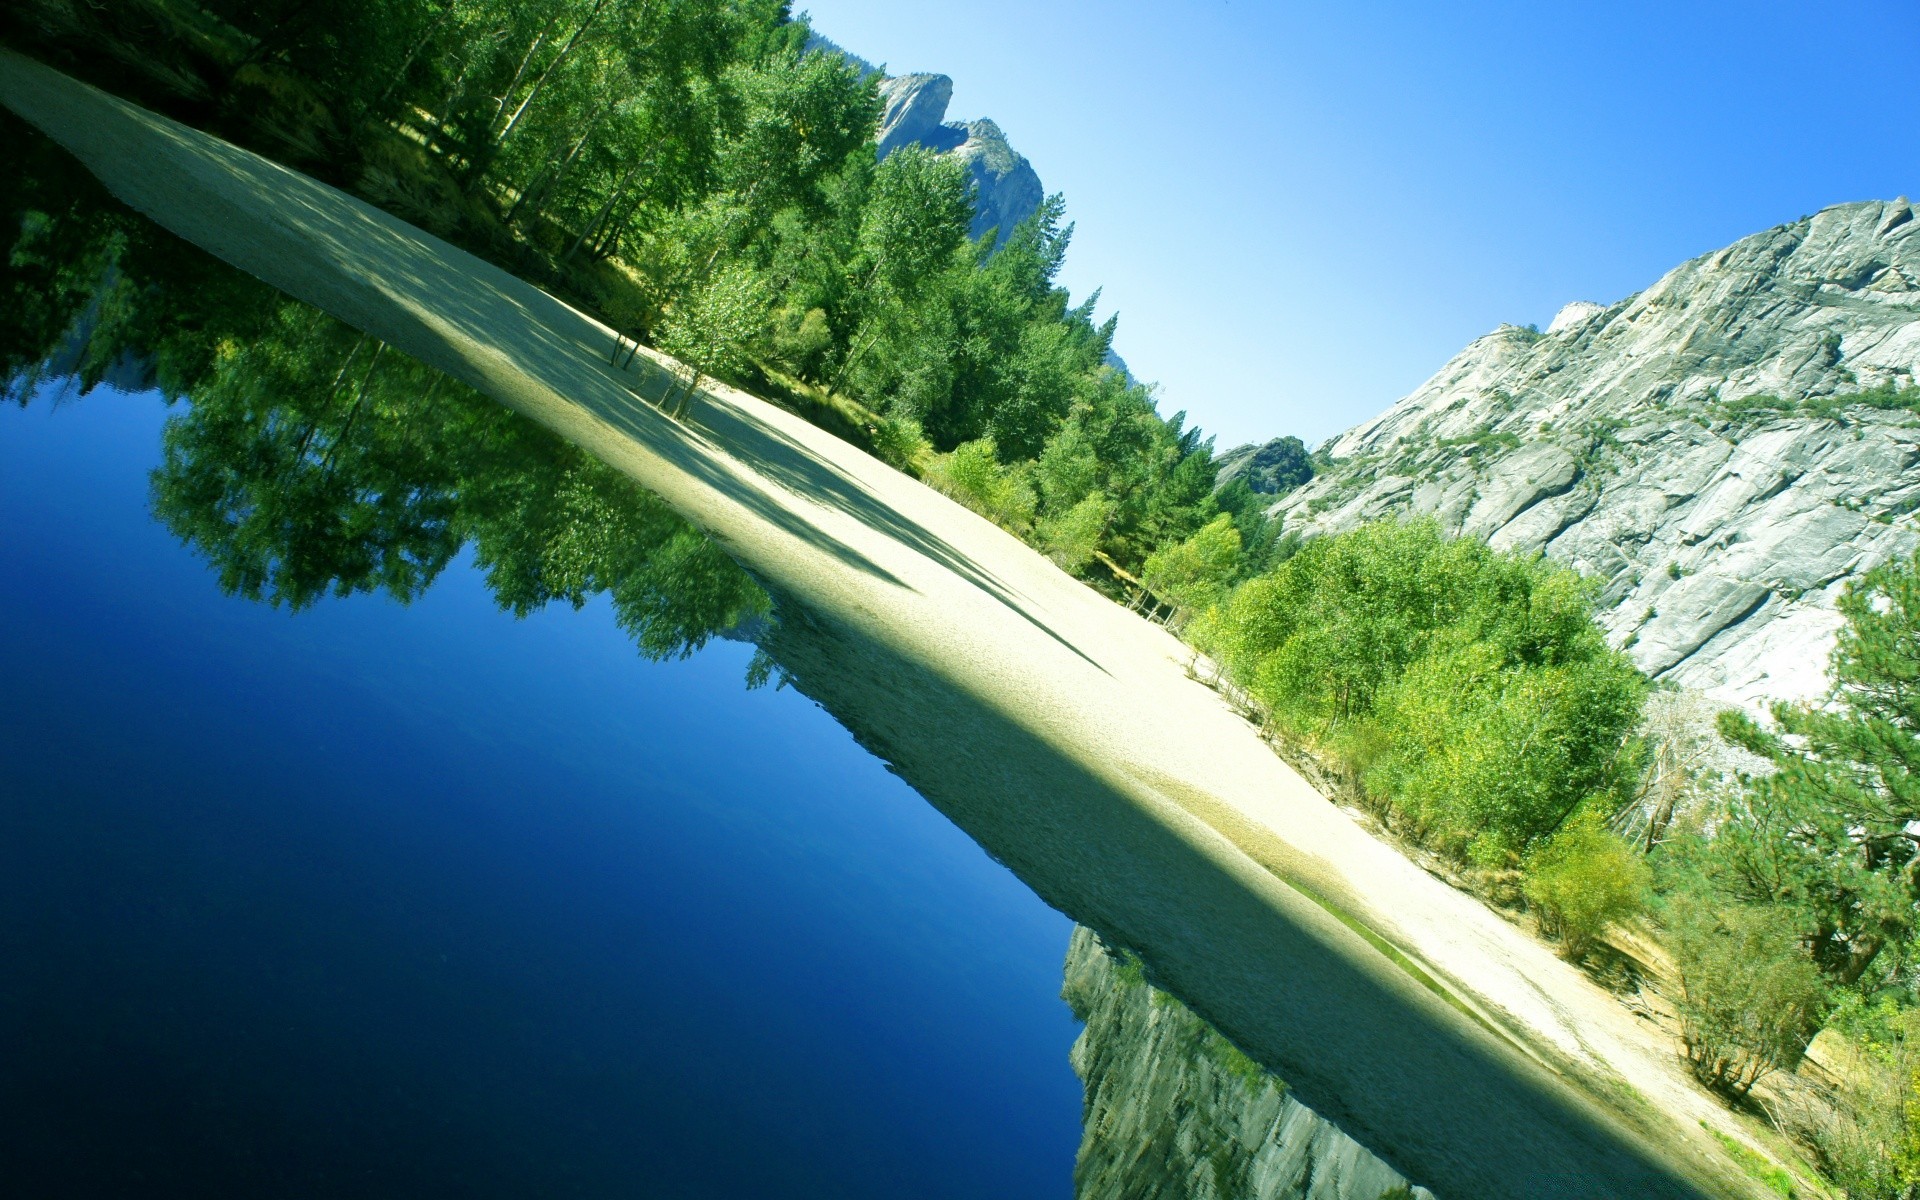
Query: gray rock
<point x="1574" y="315"/>
<point x="1007" y="190"/>
<point x="913" y="107"/>
<point x="1273" y="469"/>
<point x="1174" y="1110"/>
<point x="1615" y="442"/>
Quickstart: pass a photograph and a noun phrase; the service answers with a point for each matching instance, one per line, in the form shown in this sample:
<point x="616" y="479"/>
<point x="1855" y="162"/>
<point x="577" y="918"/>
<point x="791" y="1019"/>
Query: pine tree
<point x="1837" y="828"/>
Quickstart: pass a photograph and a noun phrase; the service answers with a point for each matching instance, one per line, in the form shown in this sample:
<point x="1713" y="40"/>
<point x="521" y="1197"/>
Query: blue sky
<point x="1301" y="211"/>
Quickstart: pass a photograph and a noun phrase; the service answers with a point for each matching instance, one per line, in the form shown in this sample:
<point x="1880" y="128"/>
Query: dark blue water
<point x="416" y="901"/>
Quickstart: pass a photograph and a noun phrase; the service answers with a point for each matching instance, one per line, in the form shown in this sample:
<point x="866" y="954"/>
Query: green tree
<point x="1749" y="999"/>
<point x="914" y="219"/>
<point x="1584" y="880"/>
<point x="1832" y="830"/>
<point x="1194" y="574"/>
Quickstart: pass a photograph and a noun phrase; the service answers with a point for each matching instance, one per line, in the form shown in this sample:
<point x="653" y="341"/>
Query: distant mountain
<point x="1007" y="189"/>
<point x="1703" y="449"/>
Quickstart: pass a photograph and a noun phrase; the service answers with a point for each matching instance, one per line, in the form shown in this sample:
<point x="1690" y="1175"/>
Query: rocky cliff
<point x="1711" y="449"/>
<point x="1175" y="1112"/>
<point x="914" y="113"/>
<point x="1006" y="188"/>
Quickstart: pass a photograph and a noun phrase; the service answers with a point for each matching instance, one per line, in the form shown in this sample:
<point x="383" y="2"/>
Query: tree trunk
<point x="547" y="72"/>
<point x="333" y="389"/>
<point x="609" y="243"/>
<point x="606" y="211"/>
<point x="413" y="52"/>
<point x="359" y="401"/>
<point x="551" y="178"/>
<point x="520" y="72"/>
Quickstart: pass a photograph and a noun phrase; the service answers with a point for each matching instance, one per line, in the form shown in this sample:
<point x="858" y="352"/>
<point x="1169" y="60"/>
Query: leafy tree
<point x="712" y="328"/>
<point x="1194" y="574"/>
<point x="914" y="219"/>
<point x="1749" y="1000"/>
<point x="1469" y="690"/>
<point x="1261" y="546"/>
<point x="1833" y="830"/>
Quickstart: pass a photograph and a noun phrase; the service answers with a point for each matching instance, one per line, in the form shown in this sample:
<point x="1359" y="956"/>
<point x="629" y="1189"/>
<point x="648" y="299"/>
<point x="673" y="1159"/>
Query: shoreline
<point x="1058" y="729"/>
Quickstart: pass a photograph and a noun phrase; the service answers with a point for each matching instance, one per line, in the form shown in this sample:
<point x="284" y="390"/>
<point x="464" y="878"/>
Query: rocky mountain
<point x="1722" y="451"/>
<point x="1006" y="188"/>
<point x="1273" y="469"/>
<point x="1175" y="1112"/>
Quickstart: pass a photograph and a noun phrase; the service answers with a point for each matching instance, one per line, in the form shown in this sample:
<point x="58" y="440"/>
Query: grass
<point x="1763" y="1169"/>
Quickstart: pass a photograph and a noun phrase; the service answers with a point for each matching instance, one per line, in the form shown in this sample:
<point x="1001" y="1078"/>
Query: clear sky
<point x="1301" y="211"/>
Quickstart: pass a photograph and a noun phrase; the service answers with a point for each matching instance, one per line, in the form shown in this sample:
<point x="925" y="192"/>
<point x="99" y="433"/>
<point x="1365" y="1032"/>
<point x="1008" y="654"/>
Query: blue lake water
<point x="385" y="900"/>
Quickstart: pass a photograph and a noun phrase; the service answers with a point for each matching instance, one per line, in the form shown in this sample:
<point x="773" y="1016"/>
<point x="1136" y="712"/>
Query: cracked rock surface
<point x="1720" y="532"/>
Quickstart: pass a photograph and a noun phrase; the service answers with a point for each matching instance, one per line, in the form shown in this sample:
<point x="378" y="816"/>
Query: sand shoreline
<point x="1058" y="729"/>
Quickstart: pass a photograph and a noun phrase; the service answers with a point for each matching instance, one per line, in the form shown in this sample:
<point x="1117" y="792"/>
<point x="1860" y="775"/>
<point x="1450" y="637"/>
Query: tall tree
<point x="1836" y="829"/>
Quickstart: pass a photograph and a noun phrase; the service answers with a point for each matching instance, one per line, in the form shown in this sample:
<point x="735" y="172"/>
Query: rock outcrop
<point x="1273" y="469"/>
<point x="1692" y="447"/>
<point x="1175" y="1112"/>
<point x="1006" y="189"/>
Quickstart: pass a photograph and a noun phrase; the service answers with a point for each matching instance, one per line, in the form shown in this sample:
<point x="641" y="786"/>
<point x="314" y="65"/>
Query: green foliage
<point x="1583" y="880"/>
<point x="1469" y="688"/>
<point x="974" y="475"/>
<point x="1194" y="574"/>
<point x="1749" y="999"/>
<point x="712" y="326"/>
<point x="689" y="170"/>
<point x="309" y="460"/>
<point x="1840" y="406"/>
<point x="1776" y="1178"/>
<point x="1829" y="833"/>
<point x="1278" y="467"/>
<point x="1262" y="545"/>
<point x="900" y="442"/>
<point x="1073" y="537"/>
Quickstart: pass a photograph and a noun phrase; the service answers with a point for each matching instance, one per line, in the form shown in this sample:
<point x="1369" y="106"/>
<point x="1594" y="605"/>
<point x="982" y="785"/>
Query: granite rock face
<point x="1006" y="188"/>
<point x="1174" y="1112"/>
<point x="1273" y="469"/>
<point x="1617" y="442"/>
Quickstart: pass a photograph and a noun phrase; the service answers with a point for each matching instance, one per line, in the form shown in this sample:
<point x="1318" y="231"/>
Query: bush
<point x="1489" y="761"/>
<point x="973" y="475"/>
<point x="1750" y="1000"/>
<point x="900" y="442"/>
<point x="1072" y="538"/>
<point x="1582" y="881"/>
<point x="1194" y="574"/>
<point x="1469" y="690"/>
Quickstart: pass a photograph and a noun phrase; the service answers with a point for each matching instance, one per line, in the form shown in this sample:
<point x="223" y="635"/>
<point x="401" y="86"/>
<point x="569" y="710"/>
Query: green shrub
<point x="1468" y="689"/>
<point x="973" y="475"/>
<point x="1072" y="538"/>
<point x="1194" y="574"/>
<point x="1488" y="759"/>
<point x="1750" y="999"/>
<point x="1582" y="881"/>
<point x="900" y="442"/>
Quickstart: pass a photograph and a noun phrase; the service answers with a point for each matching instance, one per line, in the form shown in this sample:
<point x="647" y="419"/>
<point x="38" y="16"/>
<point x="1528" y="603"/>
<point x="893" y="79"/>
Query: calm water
<point x="408" y="900"/>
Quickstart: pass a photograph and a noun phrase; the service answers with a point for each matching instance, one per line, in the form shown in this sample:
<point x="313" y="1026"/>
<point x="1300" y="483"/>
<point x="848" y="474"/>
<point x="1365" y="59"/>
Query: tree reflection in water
<point x="307" y="459"/>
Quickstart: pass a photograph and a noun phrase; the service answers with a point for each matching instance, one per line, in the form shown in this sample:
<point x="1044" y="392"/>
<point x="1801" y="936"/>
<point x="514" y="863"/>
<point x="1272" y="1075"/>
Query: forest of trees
<point x="687" y="169"/>
<point x="1467" y="698"/>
